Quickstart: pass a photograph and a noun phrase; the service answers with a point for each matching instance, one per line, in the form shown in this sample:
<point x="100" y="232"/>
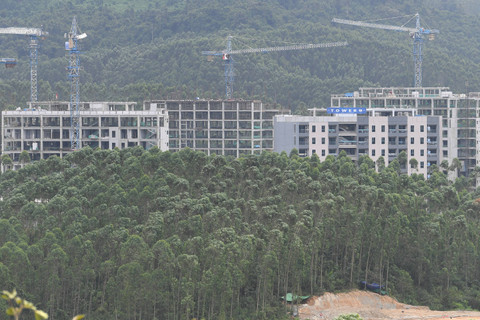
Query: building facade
<point x="459" y="137"/>
<point x="224" y="127"/>
<point x="376" y="134"/>
<point x="45" y="130"/>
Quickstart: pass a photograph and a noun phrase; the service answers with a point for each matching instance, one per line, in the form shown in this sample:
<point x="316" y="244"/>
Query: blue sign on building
<point x="346" y="110"/>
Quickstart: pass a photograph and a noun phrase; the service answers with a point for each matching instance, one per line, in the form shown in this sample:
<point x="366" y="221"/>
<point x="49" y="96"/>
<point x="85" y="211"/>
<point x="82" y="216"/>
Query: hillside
<point x="119" y="233"/>
<point x="152" y="49"/>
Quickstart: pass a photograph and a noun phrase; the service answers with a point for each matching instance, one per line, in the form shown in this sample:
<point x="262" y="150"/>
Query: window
<point x="323" y="153"/>
<point x="422" y="164"/>
<point x="412" y="128"/>
<point x="373" y="153"/>
<point x="412" y="140"/>
<point x="383" y="128"/>
<point x="422" y="152"/>
<point x="412" y="153"/>
<point x="373" y="128"/>
<point x="422" y="128"/>
<point x="323" y="140"/>
<point x="314" y="151"/>
<point x="294" y="128"/>
<point x="422" y="140"/>
<point x="294" y="141"/>
<point x="314" y="140"/>
<point x="383" y="152"/>
<point x="445" y="143"/>
<point x="383" y="140"/>
<point x="113" y="134"/>
<point x="323" y="128"/>
<point x="314" y="128"/>
<point x="373" y="140"/>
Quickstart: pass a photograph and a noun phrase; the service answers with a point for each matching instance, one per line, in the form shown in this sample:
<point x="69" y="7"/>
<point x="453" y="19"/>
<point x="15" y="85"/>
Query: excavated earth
<point x="372" y="306"/>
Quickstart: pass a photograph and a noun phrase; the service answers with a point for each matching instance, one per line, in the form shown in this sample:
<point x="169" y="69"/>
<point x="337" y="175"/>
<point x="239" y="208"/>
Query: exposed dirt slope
<point x="372" y="306"/>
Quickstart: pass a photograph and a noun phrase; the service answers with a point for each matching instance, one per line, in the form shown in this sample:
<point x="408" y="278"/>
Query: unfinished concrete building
<point x="44" y="129"/>
<point x="224" y="127"/>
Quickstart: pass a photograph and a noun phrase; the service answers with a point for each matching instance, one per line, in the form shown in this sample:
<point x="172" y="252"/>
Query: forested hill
<point x="146" y="49"/>
<point x="130" y="234"/>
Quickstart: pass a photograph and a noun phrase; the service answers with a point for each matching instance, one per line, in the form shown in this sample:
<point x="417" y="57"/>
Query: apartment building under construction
<point x="224" y="127"/>
<point x="45" y="129"/>
<point x="460" y="114"/>
<point x="377" y="133"/>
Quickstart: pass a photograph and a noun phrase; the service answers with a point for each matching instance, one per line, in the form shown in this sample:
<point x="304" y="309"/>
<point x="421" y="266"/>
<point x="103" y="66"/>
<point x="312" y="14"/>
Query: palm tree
<point x="24" y="158"/>
<point x="456" y="165"/>
<point x="6" y="162"/>
<point x="413" y="163"/>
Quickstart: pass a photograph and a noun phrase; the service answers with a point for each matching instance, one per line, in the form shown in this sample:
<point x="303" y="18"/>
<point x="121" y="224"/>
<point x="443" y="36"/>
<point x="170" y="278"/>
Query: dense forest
<point x="152" y="49"/>
<point x="134" y="234"/>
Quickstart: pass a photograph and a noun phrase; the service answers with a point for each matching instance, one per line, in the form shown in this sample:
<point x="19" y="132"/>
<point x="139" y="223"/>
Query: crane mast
<point x="34" y="34"/>
<point x="228" y="59"/>
<point x="74" y="76"/>
<point x="416" y="33"/>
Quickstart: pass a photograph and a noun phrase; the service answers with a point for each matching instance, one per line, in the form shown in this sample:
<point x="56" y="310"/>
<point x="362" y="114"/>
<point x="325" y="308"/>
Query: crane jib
<point x="226" y="57"/>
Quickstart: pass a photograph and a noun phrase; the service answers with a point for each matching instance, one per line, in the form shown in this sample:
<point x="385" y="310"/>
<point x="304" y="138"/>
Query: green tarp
<point x="295" y="298"/>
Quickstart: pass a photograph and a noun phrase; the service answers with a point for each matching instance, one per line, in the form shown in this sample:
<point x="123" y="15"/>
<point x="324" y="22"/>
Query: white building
<point x="378" y="133"/>
<point x="46" y="130"/>
<point x="460" y="114"/>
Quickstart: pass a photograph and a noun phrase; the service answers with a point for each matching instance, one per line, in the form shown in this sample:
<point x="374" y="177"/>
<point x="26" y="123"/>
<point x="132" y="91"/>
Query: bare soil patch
<point x="372" y="306"/>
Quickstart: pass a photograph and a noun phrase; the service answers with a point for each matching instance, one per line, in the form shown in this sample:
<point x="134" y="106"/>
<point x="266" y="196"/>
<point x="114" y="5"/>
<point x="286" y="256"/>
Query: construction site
<point x="45" y="130"/>
<point x="237" y="127"/>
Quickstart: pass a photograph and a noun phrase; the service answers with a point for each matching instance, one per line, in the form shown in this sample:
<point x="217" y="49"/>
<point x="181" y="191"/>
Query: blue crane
<point x="34" y="34"/>
<point x="228" y="59"/>
<point x="74" y="76"/>
<point x="416" y="33"/>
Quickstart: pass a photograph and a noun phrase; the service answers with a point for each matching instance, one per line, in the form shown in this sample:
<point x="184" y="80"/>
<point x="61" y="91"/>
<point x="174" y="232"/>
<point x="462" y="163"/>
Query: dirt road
<point x="371" y="306"/>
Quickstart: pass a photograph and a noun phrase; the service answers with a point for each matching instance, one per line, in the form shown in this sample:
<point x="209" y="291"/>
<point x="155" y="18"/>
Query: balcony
<point x="345" y="142"/>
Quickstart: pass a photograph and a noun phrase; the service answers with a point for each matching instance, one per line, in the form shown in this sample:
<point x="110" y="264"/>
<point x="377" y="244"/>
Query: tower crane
<point x="34" y="34"/>
<point x="74" y="76"/>
<point x="227" y="54"/>
<point x="416" y="34"/>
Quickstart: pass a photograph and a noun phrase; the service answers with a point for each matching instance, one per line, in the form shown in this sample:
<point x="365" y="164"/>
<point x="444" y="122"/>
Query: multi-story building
<point x="45" y="130"/>
<point x="459" y="113"/>
<point x="224" y="127"/>
<point x="378" y="133"/>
